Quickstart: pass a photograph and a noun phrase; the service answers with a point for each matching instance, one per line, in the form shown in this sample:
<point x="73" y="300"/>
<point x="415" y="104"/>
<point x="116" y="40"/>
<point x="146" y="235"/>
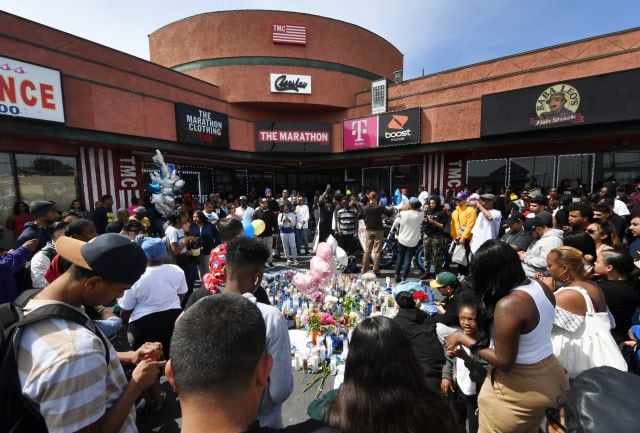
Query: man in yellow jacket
<point x="462" y="220"/>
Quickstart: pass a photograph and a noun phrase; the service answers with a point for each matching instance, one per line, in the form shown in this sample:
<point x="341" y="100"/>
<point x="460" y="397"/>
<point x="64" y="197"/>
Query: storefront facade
<point x="285" y="102"/>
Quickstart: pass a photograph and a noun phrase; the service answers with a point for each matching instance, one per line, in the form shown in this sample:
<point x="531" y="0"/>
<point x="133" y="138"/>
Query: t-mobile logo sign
<point x="360" y="133"/>
<point x="359" y="128"/>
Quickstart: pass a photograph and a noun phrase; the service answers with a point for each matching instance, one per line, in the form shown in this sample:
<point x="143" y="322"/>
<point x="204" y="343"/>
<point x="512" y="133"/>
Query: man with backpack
<point x="59" y="374"/>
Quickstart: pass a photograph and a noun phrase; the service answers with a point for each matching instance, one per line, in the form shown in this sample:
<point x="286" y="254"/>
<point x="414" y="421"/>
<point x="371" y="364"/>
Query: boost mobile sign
<point x="30" y="91"/>
<point x="389" y="129"/>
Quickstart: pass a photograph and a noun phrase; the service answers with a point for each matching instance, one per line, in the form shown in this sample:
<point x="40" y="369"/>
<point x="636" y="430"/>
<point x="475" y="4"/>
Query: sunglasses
<point x="591" y="231"/>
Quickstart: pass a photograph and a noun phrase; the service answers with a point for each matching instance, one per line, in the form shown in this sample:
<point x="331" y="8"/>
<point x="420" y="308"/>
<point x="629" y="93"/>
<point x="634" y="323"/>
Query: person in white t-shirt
<point x="487" y="224"/>
<point x="464" y="371"/>
<point x="302" y="226"/>
<point x="210" y="212"/>
<point x="408" y="223"/>
<point x="152" y="305"/>
<point x="244" y="211"/>
<point x="423" y="197"/>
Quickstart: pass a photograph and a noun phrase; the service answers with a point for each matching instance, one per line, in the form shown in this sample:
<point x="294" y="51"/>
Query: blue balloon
<point x="155" y="187"/>
<point x="397" y="197"/>
<point x="248" y="229"/>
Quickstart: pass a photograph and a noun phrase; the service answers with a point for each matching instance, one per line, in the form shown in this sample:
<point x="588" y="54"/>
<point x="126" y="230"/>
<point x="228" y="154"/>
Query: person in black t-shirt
<point x="614" y="268"/>
<point x="435" y="220"/>
<point x="327" y="208"/>
<point x="270" y="219"/>
<point x="373" y="215"/>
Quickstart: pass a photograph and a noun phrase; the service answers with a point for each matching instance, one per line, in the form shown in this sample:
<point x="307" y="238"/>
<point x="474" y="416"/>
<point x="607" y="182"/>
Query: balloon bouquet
<point x="165" y="183"/>
<point x="321" y="268"/>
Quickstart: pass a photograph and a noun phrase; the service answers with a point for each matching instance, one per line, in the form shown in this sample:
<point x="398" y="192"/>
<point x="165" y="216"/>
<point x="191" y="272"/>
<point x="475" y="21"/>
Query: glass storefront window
<point x="376" y="178"/>
<point x="7" y="199"/>
<point x="406" y="176"/>
<point x="192" y="183"/>
<point x="621" y="167"/>
<point x="487" y="172"/>
<point x="47" y="177"/>
<point x="222" y="181"/>
<point x="538" y="170"/>
<point x="578" y="168"/>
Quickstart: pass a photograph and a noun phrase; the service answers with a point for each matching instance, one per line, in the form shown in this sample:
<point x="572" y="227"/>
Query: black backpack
<point x="603" y="399"/>
<point x="17" y="414"/>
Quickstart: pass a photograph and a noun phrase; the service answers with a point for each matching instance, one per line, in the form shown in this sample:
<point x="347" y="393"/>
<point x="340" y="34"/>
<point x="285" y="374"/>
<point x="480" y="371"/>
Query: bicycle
<point x="389" y="253"/>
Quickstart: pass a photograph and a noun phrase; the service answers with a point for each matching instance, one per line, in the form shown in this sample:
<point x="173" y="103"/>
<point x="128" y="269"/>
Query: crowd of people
<point x="536" y="275"/>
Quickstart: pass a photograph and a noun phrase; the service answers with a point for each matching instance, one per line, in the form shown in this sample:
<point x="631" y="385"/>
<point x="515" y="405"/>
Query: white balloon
<point x="333" y="242"/>
<point x="341" y="257"/>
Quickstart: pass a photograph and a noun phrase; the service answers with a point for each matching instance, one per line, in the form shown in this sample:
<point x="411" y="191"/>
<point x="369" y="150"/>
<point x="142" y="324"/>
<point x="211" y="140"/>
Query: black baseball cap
<point x="533" y="223"/>
<point x="516" y="216"/>
<point x="112" y="256"/>
<point x="40" y="208"/>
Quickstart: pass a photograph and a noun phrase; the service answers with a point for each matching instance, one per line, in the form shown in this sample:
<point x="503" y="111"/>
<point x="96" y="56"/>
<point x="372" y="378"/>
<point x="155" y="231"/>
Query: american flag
<point x="288" y="34"/>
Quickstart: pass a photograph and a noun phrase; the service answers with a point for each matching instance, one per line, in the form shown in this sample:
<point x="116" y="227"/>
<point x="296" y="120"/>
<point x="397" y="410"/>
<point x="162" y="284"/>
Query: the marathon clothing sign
<point x="399" y="128"/>
<point x="293" y="137"/>
<point x="603" y="99"/>
<point x="389" y="129"/>
<point x="287" y="83"/>
<point x="30" y="91"/>
<point x="201" y="126"/>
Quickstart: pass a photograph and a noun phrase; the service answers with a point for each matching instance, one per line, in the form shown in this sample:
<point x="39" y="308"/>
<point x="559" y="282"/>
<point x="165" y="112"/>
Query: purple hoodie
<point x="9" y="265"/>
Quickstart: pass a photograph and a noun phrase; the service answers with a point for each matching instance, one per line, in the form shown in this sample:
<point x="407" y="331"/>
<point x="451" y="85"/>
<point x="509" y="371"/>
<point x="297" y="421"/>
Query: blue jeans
<point x="405" y="256"/>
<point x="302" y="240"/>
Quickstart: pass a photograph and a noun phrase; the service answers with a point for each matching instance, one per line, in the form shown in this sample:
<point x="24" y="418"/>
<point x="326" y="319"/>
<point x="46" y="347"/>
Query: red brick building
<point x="236" y="109"/>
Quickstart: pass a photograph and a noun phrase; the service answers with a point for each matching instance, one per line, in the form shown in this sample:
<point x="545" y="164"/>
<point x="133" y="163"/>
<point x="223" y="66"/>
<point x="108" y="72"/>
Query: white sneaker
<point x="289" y="262"/>
<point x="295" y="263"/>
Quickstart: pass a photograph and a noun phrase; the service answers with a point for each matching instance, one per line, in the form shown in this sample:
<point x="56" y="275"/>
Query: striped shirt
<point x="347" y="220"/>
<point x="63" y="370"/>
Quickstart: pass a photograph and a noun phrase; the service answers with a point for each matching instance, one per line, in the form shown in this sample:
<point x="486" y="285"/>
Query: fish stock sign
<point x="397" y="128"/>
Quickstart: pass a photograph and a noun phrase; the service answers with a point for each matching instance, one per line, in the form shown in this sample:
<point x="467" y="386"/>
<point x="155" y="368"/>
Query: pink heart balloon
<point x="324" y="251"/>
<point x="320" y="269"/>
<point x="302" y="282"/>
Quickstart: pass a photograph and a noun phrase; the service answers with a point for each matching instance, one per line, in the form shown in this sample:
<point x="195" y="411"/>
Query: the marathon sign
<point x="201" y="126"/>
<point x="389" y="129"/>
<point x="399" y="128"/>
<point x="287" y="83"/>
<point x="603" y="99"/>
<point x="30" y="91"/>
<point x="293" y="137"/>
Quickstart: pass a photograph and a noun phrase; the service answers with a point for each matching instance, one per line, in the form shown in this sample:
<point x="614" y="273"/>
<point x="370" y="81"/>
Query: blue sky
<point x="433" y="35"/>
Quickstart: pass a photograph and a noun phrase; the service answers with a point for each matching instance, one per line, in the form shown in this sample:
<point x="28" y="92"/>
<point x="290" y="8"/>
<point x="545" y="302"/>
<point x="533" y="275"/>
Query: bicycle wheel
<point x="419" y="258"/>
<point x="387" y="254"/>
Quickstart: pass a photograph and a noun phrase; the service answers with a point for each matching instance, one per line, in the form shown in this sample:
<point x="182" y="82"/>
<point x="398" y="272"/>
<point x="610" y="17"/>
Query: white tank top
<point x="536" y="345"/>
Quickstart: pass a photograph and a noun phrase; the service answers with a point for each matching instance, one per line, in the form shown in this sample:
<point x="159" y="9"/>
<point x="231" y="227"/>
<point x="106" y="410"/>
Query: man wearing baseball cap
<point x="463" y="219"/>
<point x="534" y="260"/>
<point x="62" y="363"/>
<point x="516" y="236"/>
<point x="447" y="318"/>
<point x="487" y="225"/>
<point x="45" y="214"/>
<point x="244" y="211"/>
